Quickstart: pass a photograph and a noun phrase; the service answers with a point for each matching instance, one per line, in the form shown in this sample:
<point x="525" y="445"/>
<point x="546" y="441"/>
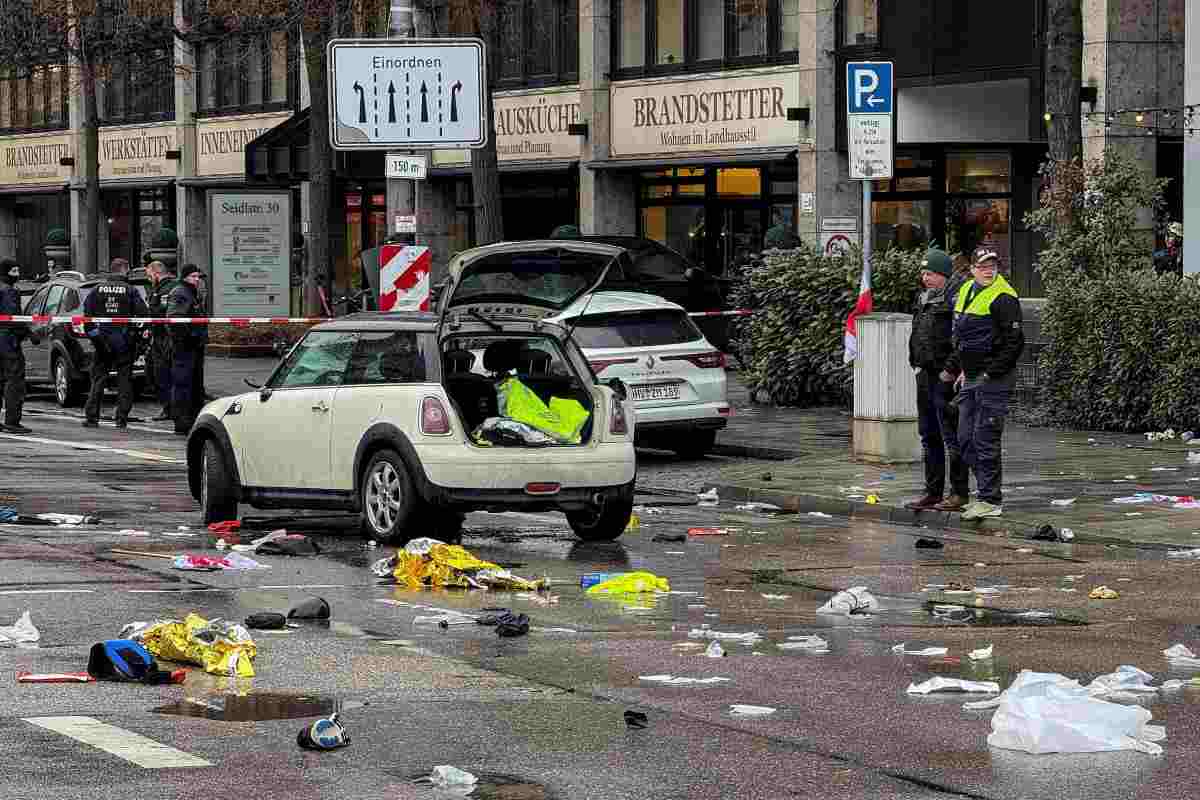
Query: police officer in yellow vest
<point x="987" y="343"/>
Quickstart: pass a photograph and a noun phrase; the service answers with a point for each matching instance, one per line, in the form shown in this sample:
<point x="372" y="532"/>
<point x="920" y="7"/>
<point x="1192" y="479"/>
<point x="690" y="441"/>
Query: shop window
<point x="861" y="22"/>
<point x="903" y="224"/>
<point x="651" y="191"/>
<point x="538" y="42"/>
<point x="680" y="228"/>
<point x="252" y="72"/>
<point x="978" y="173"/>
<point x="739" y="182"/>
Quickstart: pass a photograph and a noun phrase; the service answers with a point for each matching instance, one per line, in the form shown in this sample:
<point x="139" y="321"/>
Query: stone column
<point x="191" y="219"/>
<point x="822" y="171"/>
<point x="8" y="237"/>
<point x="606" y="198"/>
<point x="1191" y="146"/>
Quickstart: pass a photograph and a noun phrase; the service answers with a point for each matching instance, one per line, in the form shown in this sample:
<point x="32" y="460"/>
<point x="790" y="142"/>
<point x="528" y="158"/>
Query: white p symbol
<point x="866" y="81"/>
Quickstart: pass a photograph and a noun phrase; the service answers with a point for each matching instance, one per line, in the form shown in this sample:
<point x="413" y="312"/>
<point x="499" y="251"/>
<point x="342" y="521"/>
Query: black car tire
<point x="218" y="501"/>
<point x="67" y="391"/>
<point x="697" y="444"/>
<point x="609" y="522"/>
<point x="388" y="499"/>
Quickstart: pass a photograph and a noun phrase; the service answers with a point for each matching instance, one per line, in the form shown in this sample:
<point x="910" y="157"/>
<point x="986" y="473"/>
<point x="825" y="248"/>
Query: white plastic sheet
<point x="751" y="711"/>
<point x="20" y="632"/>
<point x="750" y="637"/>
<point x="940" y="684"/>
<point x="1181" y="656"/>
<point x="982" y="654"/>
<point x="855" y="600"/>
<point x="1126" y="678"/>
<point x="672" y="680"/>
<point x="1050" y="713"/>
<point x="927" y="651"/>
<point x="814" y="643"/>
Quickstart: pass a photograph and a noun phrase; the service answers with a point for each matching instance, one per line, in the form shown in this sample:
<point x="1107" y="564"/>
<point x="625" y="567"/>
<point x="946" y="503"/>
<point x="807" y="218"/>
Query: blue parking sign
<point x="869" y="87"/>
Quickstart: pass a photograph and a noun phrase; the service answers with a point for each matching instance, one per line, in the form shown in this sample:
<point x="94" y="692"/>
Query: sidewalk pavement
<point x="1040" y="465"/>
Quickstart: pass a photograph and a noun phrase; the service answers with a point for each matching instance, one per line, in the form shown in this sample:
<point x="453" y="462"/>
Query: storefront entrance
<point x="717" y="216"/>
<point x="134" y="218"/>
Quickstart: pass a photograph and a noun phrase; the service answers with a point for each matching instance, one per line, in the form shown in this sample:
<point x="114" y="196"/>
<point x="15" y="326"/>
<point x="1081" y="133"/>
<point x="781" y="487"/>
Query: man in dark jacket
<point x="12" y="360"/>
<point x="158" y="367"/>
<point x="929" y="347"/>
<point x="187" y="396"/>
<point x="115" y="345"/>
<point x="988" y="341"/>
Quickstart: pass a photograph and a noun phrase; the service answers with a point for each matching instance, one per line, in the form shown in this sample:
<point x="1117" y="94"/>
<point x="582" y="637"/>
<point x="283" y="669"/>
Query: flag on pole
<point x="862" y="306"/>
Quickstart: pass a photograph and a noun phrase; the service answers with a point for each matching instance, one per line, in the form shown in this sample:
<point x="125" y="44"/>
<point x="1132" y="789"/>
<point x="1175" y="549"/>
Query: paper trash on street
<point x="940" y="684"/>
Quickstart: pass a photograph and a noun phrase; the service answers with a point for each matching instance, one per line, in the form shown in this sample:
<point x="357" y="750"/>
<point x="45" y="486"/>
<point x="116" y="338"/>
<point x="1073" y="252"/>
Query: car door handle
<point x="320" y="406"/>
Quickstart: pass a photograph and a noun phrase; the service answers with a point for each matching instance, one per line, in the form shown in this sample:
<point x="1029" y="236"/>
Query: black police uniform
<point x="158" y="366"/>
<point x="115" y="345"/>
<point x="12" y="360"/>
<point x="188" y="340"/>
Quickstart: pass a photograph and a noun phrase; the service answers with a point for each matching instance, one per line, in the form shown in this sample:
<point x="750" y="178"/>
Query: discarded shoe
<point x="980" y="509"/>
<point x="324" y="734"/>
<point x="929" y="544"/>
<point x="954" y="502"/>
<point x="313" y="608"/>
<point x="636" y="719"/>
<point x="925" y="503"/>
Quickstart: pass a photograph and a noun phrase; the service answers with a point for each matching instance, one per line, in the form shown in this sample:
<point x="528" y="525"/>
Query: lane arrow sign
<point x="424" y="102"/>
<point x="362" y="102"/>
<point x="391" y="101"/>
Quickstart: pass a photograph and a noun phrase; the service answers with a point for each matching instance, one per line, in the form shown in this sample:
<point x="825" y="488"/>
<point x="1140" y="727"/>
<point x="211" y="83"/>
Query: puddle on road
<point x="491" y="786"/>
<point x="255" y="707"/>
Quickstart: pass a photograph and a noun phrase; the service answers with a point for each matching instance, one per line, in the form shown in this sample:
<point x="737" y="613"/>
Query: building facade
<point x="698" y="123"/>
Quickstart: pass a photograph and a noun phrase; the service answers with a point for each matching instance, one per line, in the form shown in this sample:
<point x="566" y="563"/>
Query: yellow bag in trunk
<point x="563" y="419"/>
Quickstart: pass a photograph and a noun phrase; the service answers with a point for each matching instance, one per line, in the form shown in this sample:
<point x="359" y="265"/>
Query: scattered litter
<point x="927" y="651"/>
<point x="708" y="531"/>
<point x="687" y="645"/>
<point x="710" y="496"/>
<point x="1062" y="502"/>
<point x="751" y="711"/>
<point x="669" y="537"/>
<point x="631" y="583"/>
<point x="887" y="476"/>
<point x="428" y="562"/>
<point x="982" y="654"/>
<point x="589" y="579"/>
<point x="636" y="719"/>
<point x="986" y="590"/>
<point x="221" y="544"/>
<point x="648" y="511"/>
<point x="1134" y="514"/>
<point x="680" y="681"/>
<point x="312" y="608"/>
<point x="855" y="600"/>
<point x="282" y="543"/>
<point x="820" y="514"/>
<point x="940" y="684"/>
<point x="766" y="508"/>
<point x="126" y="660"/>
<point x="233" y="561"/>
<point x="1173" y="685"/>
<point x="634" y="523"/>
<point x="54" y="677"/>
<point x="735" y="591"/>
<point x="714" y="650"/>
<point x="1181" y="656"/>
<point x="508" y="624"/>
<point x="221" y="647"/>
<point x="324" y="734"/>
<point x="750" y="637"/>
<point x="872" y="499"/>
<point x="674" y="553"/>
<point x="1103" y="593"/>
<point x="1193" y="457"/>
<point x="70" y="519"/>
<point x="1187" y="436"/>
<point x="132" y="532"/>
<point x="1050" y="713"/>
<point x="775" y="596"/>
<point x="22" y="631"/>
<point x="1140" y="497"/>
<point x="1159" y="436"/>
<point x="1164" y="469"/>
<point x="1035" y="614"/>
<point x="1024" y="549"/>
<point x="928" y="544"/>
<point x="179" y="535"/>
<point x="814" y="643"/>
<point x="444" y="620"/>
<point x="266" y="621"/>
<point x="1126" y="678"/>
<point x="228" y="526"/>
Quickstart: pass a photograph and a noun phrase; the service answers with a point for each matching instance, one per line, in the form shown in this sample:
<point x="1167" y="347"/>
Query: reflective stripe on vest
<point x="981" y="304"/>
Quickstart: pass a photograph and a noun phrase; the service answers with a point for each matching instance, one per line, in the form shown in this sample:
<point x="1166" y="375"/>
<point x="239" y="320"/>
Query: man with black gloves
<point x="189" y="340"/>
<point x="158" y="367"/>
<point x="115" y="344"/>
<point x="929" y="347"/>
<point x="12" y="360"/>
<point x="988" y="340"/>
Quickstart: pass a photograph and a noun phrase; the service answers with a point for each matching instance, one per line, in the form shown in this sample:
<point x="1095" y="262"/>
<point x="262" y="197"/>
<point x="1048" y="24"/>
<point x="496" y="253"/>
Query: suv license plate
<point x="661" y="391"/>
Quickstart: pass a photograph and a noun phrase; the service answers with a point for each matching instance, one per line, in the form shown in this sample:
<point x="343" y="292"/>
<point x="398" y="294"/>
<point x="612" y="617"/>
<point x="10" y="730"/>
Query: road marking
<point x="174" y="591"/>
<point x="48" y="591"/>
<point x="97" y="447"/>
<point x="303" y="586"/>
<point x="119" y="742"/>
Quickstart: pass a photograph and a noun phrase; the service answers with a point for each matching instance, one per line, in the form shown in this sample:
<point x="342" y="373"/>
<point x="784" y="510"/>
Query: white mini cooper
<point x="375" y="412"/>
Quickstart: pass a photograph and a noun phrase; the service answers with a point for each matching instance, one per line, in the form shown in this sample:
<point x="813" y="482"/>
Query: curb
<point x="947" y="521"/>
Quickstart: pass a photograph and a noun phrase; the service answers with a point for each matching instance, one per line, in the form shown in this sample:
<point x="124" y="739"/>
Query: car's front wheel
<point x="606" y="523"/>
<point x="66" y="391"/>
<point x="388" y="498"/>
<point x="218" y="501"/>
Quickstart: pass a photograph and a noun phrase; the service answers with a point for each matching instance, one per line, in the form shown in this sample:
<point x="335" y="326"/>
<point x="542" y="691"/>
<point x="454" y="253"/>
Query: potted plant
<point x="165" y="246"/>
<point x="58" y="248"/>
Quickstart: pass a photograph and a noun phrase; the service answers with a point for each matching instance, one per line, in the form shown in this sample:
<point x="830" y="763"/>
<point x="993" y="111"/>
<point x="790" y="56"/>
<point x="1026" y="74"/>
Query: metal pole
<point x="866" y="224"/>
<point x="1191" y="143"/>
<point x="401" y="192"/>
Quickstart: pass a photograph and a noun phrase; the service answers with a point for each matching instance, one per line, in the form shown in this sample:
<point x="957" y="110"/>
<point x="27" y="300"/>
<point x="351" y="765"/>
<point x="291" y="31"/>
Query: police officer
<point x="187" y="396"/>
<point x="12" y="360"/>
<point x="115" y="345"/>
<point x="929" y="347"/>
<point x="987" y="343"/>
<point x="163" y="282"/>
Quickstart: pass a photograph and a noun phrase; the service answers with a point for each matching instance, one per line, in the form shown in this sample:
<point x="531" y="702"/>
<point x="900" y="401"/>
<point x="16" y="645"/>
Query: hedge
<point x="792" y="348"/>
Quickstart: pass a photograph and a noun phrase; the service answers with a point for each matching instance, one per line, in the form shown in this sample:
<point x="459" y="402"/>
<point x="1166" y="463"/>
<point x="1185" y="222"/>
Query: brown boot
<point x="925" y="503"/>
<point x="954" y="502"/>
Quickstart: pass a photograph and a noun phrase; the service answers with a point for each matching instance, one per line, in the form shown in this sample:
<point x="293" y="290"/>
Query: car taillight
<point x="602" y="364"/>
<point x="434" y="419"/>
<point x="711" y="360"/>
<point x="618" y="424"/>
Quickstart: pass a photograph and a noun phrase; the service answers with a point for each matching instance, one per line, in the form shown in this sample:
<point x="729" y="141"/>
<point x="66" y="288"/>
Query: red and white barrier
<point x="404" y="281"/>
<point x="46" y="319"/>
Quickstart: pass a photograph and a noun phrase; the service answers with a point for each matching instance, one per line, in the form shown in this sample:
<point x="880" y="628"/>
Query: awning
<point x="281" y="153"/>
<point x="765" y="155"/>
<point x="51" y="188"/>
<point x="109" y="184"/>
<point x="212" y="180"/>
<point x="530" y="165"/>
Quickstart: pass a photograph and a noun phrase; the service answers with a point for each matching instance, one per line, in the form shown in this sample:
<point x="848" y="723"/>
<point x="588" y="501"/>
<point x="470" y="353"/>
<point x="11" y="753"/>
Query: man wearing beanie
<point x="12" y="360"/>
<point x="929" y="346"/>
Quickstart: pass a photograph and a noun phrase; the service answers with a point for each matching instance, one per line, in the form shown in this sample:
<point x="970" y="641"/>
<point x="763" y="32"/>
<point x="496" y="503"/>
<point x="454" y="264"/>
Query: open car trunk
<point x="495" y="380"/>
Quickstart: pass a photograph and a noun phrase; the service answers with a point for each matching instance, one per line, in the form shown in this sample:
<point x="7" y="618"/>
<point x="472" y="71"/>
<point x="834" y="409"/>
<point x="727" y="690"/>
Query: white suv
<point x="675" y="377"/>
<point x="374" y="412"/>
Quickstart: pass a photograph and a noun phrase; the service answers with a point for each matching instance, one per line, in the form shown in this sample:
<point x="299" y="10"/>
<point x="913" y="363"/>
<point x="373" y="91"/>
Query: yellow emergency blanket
<point x="631" y="583"/>
<point x="222" y="648"/>
<point x="428" y="562"/>
<point x="563" y="419"/>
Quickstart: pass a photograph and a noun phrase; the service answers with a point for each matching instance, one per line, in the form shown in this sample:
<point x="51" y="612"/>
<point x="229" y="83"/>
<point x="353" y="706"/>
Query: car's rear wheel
<point x="606" y="523"/>
<point x="218" y="502"/>
<point x="696" y="445"/>
<point x="66" y="390"/>
<point x="388" y="499"/>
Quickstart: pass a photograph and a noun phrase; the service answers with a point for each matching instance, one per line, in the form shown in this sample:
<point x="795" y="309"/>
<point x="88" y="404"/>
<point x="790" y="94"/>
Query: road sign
<point x="404" y="278"/>
<point x="412" y="167"/>
<point x="421" y="94"/>
<point x="835" y="244"/>
<point x="406" y="223"/>
<point x="869" y="108"/>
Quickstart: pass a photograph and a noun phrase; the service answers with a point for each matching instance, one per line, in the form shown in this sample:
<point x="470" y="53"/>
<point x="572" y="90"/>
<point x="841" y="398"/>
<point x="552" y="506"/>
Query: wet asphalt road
<point x="541" y="715"/>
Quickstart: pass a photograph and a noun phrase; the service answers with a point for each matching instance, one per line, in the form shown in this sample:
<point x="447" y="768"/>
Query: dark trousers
<point x="937" y="422"/>
<point x="981" y="412"/>
<point x="104" y="362"/>
<point x="183" y="388"/>
<point x="161" y="358"/>
<point x="12" y="385"/>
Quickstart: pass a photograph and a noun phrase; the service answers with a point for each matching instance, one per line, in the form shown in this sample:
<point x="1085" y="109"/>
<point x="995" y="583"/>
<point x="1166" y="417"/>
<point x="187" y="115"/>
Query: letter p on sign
<point x="869" y="87"/>
<point x="865" y="84"/>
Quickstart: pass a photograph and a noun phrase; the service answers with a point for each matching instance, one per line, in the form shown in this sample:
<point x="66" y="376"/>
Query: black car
<point x="63" y="357"/>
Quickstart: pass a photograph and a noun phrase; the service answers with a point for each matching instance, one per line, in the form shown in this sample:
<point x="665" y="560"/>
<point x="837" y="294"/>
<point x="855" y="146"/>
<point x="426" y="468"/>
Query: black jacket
<point x="11" y="333"/>
<point x="183" y="302"/>
<point x="992" y="343"/>
<point x="114" y="297"/>
<point x="929" y="344"/>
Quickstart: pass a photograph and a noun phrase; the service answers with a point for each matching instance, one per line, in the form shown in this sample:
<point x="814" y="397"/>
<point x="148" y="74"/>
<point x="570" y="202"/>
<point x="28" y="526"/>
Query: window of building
<point x="861" y="22"/>
<point x="34" y="99"/>
<point x="139" y="87"/>
<point x="683" y="35"/>
<point x="248" y="73"/>
<point x="538" y="42"/>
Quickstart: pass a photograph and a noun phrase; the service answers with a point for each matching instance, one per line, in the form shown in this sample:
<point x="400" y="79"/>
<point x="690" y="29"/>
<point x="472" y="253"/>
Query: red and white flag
<point x="862" y="306"/>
